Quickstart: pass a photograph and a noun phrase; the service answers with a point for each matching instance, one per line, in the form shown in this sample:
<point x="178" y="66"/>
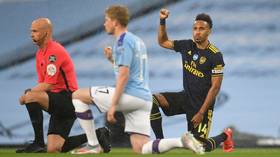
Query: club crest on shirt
<point x="189" y="52"/>
<point x="195" y="57"/>
<point x="52" y="58"/>
<point x="202" y="60"/>
<point x="51" y="69"/>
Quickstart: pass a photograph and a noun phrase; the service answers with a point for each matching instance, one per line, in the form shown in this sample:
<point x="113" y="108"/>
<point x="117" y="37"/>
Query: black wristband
<point x="162" y="21"/>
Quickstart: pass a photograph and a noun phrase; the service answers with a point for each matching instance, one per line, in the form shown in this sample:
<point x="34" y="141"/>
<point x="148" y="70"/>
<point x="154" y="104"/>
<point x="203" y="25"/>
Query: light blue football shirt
<point x="130" y="50"/>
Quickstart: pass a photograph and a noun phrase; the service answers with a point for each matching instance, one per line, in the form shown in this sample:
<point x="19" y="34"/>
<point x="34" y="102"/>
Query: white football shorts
<point x="135" y="110"/>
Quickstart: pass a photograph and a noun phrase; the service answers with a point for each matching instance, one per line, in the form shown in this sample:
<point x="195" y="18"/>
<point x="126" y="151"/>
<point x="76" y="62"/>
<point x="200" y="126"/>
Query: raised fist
<point x="163" y="14"/>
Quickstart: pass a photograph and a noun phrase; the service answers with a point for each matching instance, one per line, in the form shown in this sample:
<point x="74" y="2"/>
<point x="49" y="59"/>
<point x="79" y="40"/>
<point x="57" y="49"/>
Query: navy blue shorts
<point x="179" y="104"/>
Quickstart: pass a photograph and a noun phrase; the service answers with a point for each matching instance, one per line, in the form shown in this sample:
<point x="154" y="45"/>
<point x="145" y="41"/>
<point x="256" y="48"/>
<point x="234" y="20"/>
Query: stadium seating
<point x="246" y="32"/>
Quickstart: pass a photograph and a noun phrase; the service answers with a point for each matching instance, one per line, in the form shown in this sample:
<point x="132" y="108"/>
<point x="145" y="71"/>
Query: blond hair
<point x="119" y="13"/>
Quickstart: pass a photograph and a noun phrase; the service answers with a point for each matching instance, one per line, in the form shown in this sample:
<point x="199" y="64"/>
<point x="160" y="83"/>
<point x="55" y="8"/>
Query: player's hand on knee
<point x="111" y="115"/>
<point x="163" y="14"/>
<point x="197" y="119"/>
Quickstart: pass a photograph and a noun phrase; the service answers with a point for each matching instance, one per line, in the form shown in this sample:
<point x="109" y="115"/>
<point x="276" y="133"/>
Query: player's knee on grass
<point x="137" y="142"/>
<point x="55" y="143"/>
<point x="137" y="149"/>
<point x="53" y="149"/>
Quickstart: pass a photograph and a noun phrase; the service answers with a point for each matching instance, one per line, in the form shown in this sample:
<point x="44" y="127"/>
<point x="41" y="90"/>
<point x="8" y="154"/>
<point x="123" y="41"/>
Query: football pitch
<point x="123" y="152"/>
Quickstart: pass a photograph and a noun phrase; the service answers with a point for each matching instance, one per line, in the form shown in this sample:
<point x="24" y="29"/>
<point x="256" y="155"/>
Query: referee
<point x="53" y="94"/>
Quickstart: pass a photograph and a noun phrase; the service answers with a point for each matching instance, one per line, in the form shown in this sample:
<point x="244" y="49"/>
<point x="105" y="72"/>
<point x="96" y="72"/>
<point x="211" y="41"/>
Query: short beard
<point x="199" y="41"/>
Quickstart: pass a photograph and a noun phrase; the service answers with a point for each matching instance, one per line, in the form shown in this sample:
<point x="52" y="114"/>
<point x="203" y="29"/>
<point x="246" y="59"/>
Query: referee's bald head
<point x="41" y="31"/>
<point x="43" y="23"/>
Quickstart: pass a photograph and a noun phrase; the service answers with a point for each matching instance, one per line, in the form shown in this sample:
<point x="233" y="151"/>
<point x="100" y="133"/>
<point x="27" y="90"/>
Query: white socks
<point x="85" y="119"/>
<point x="161" y="145"/>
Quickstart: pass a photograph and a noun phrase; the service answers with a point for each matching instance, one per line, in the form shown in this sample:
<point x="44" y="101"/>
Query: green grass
<point x="121" y="152"/>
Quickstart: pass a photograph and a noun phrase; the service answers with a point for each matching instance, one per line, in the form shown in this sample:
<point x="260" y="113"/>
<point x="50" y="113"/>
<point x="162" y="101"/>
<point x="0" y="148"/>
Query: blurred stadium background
<point x="245" y="31"/>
